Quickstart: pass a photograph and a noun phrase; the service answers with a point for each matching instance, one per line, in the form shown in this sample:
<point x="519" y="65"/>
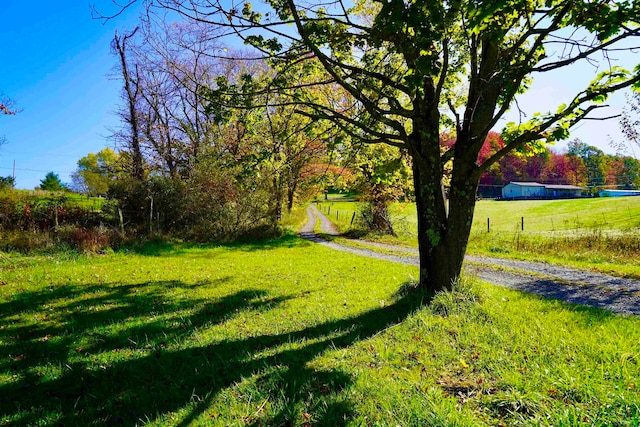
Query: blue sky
<point x="56" y="64"/>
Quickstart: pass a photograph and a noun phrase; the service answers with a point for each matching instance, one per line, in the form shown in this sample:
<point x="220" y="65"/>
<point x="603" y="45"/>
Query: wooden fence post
<point x="151" y="217"/>
<point x="55" y="218"/>
<point x="488" y="225"/>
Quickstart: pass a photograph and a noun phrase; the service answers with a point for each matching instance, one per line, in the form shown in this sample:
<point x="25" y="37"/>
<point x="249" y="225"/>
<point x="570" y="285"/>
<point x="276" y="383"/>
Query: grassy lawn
<point x="601" y="233"/>
<point x="288" y="333"/>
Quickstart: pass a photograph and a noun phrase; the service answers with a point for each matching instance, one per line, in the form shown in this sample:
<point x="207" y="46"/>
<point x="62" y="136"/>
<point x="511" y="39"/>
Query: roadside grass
<point x="601" y="234"/>
<point x="288" y="333"/>
<point x="615" y="254"/>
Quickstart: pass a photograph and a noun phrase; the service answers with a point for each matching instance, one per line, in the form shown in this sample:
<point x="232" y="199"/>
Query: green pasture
<point x="58" y="197"/>
<point x="536" y="216"/>
<point x="547" y="216"/>
<point x="290" y="333"/>
<point x="598" y="233"/>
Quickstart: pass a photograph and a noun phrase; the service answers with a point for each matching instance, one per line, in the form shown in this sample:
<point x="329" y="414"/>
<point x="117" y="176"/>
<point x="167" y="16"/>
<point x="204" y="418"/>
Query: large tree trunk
<point x="131" y="91"/>
<point x="443" y="233"/>
<point x="443" y="228"/>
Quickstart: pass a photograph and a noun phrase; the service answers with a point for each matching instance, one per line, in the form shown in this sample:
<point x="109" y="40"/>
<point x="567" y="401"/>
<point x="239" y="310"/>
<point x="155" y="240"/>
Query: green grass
<point x="71" y="199"/>
<point x="285" y="332"/>
<point x="544" y="216"/>
<point x="601" y="234"/>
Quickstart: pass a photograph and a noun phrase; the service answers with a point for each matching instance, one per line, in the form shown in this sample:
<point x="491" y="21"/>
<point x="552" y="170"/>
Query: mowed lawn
<point x="289" y="333"/>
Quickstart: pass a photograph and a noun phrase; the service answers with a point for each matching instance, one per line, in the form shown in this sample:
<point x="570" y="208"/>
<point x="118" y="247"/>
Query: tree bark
<point x="131" y="91"/>
<point x="443" y="226"/>
<point x="442" y="236"/>
<point x="380" y="211"/>
<point x="291" y="192"/>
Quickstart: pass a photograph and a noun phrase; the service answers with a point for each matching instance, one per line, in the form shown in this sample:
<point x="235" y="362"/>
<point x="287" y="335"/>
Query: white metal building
<point x="518" y="190"/>
<point x="535" y="190"/>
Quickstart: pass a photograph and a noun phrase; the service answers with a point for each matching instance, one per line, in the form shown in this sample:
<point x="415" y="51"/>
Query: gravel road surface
<point x="550" y="281"/>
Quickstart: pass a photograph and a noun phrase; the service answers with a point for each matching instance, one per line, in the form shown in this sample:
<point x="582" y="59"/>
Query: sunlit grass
<point x="285" y="332"/>
<point x="600" y="233"/>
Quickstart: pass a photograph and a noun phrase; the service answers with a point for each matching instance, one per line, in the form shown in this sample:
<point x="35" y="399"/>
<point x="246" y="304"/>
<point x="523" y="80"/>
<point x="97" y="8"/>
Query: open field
<point x="599" y="233"/>
<point x="286" y="332"/>
<point x="70" y="199"/>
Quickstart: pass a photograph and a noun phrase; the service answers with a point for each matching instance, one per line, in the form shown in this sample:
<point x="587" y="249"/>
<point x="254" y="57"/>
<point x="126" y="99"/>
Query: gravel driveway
<point x="550" y="281"/>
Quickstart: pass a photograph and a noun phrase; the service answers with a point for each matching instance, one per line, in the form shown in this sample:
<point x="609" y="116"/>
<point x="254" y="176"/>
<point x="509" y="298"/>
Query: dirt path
<point x="550" y="281"/>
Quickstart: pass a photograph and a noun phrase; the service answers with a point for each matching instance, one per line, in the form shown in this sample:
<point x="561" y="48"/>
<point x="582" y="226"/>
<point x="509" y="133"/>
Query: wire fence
<point x="626" y="221"/>
<point x="342" y="218"/>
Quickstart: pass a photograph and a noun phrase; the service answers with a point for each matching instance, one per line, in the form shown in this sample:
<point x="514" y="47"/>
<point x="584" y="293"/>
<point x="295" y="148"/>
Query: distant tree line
<point x="582" y="165"/>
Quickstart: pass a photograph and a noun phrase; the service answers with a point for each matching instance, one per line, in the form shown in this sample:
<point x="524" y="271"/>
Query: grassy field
<point x="288" y="333"/>
<point x="599" y="233"/>
<point x="68" y="198"/>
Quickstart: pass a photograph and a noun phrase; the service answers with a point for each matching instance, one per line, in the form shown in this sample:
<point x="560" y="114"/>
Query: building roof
<point x="547" y="186"/>
<point x="527" y="184"/>
<point x="562" y="187"/>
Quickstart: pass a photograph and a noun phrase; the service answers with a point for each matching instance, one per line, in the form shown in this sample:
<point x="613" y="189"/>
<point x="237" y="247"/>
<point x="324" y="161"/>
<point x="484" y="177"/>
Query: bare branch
<point x="95" y="14"/>
<point x="7" y="106"/>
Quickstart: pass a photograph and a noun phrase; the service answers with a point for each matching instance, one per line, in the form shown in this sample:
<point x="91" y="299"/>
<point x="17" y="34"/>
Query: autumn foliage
<point x="581" y="164"/>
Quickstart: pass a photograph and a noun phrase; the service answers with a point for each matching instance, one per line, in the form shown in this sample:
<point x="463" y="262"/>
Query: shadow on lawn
<point x="150" y="368"/>
<point x="585" y="297"/>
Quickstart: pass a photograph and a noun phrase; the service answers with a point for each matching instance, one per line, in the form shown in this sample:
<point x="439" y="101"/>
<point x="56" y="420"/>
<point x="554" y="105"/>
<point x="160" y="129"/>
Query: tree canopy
<point x="402" y="73"/>
<point x="52" y="182"/>
<point x="97" y="171"/>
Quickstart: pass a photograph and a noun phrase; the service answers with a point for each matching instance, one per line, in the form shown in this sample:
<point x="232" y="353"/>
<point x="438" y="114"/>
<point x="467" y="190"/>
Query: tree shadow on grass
<point x="583" y="297"/>
<point x="156" y="365"/>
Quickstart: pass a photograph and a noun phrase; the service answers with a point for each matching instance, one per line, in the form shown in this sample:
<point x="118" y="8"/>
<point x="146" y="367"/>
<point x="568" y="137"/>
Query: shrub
<point x="95" y="239"/>
<point x="88" y="239"/>
<point x="25" y="241"/>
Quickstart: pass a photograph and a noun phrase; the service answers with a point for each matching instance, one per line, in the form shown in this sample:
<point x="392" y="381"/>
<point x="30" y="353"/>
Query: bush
<point x="26" y="241"/>
<point x="374" y="217"/>
<point x="22" y="210"/>
<point x="225" y="205"/>
<point x="95" y="239"/>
